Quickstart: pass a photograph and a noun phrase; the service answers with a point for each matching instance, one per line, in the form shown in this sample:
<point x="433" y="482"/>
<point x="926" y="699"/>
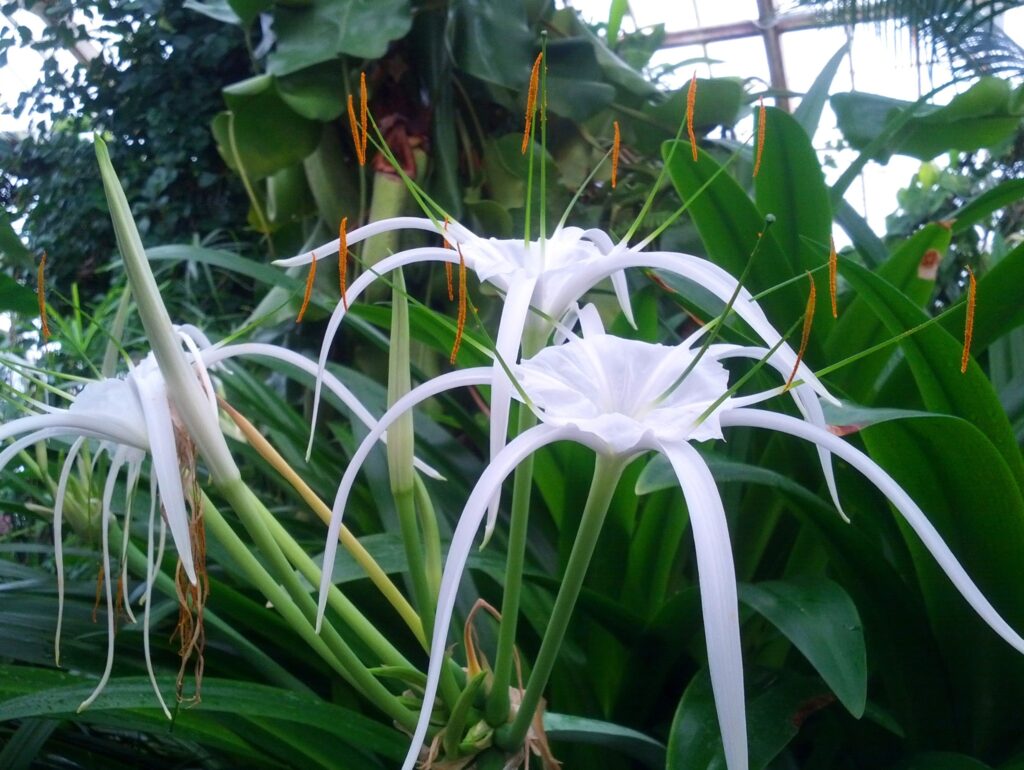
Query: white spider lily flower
<point x="622" y="398"/>
<point x="549" y="276"/>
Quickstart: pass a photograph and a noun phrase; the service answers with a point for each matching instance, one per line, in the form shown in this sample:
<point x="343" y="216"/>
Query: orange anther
<point x="448" y="266"/>
<point x="761" y="126"/>
<point x="615" y="153"/>
<point x="309" y="289"/>
<point x="41" y="294"/>
<point x="972" y="297"/>
<point x="342" y="259"/>
<point x="354" y="127"/>
<point x="833" y="264"/>
<point x="531" y="100"/>
<point x="461" y="325"/>
<point x="691" y="103"/>
<point x="805" y="335"/>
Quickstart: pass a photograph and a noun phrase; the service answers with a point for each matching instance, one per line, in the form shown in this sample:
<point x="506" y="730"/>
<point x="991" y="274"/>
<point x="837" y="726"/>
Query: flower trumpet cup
<point x="551" y="276"/>
<point x="619" y="397"/>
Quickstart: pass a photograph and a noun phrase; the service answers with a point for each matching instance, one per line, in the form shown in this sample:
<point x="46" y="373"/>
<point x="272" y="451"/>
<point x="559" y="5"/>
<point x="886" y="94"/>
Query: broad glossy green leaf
<point x="260" y="131"/>
<point x="491" y="41"/>
<point x="791" y="186"/>
<point x="575" y="80"/>
<point x="999" y="309"/>
<point x="219" y="695"/>
<point x="729" y="223"/>
<point x="315" y="92"/>
<point x="934" y="359"/>
<point x="859" y="326"/>
<point x="821" y="621"/>
<point x="565" y="727"/>
<point x="326" y="29"/>
<point x="26" y="742"/>
<point x="867" y="244"/>
<point x="955" y="474"/>
<point x="982" y="116"/>
<point x="12" y="250"/>
<point x="775" y="713"/>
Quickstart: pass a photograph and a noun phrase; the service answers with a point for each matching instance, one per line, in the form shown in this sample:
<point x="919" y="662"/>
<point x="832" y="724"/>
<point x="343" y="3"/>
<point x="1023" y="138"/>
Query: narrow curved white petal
<point x="214" y="355"/>
<point x="151" y="569"/>
<point x="755" y="418"/>
<point x="104" y="428"/>
<point x="204" y="375"/>
<point x="719" y="604"/>
<point x="12" y="451"/>
<point x="604" y="243"/>
<point x="457" y="379"/>
<point x="510" y="338"/>
<point x="58" y="538"/>
<point x="152" y="393"/>
<point x="806" y="401"/>
<point x="716" y="280"/>
<point x="455" y="233"/>
<point x="458" y="553"/>
<point x="386" y="265"/>
<point x="108" y="491"/>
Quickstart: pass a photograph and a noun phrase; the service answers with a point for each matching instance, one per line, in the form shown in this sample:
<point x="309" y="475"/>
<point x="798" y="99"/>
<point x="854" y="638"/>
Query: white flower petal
<point x="108" y="491"/>
<point x="152" y="394"/>
<point x="915" y="517"/>
<point x="152" y="567"/>
<point x="455" y="232"/>
<point x="58" y="540"/>
<point x="213" y="355"/>
<point x="441" y="383"/>
<point x="719" y="604"/>
<point x="510" y="337"/>
<point x="806" y="401"/>
<point x="458" y="553"/>
<point x="386" y="265"/>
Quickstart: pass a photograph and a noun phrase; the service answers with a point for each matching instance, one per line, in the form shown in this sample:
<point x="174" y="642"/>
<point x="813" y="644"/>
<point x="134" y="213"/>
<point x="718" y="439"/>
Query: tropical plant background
<point x="227" y="122"/>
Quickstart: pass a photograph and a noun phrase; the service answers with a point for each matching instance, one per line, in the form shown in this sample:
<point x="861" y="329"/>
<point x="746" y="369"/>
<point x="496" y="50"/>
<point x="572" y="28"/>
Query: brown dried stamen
<point x="343" y="258"/>
<point x="972" y="297"/>
<point x="761" y="127"/>
<point x="363" y="112"/>
<point x="615" y="153"/>
<point x="460" y="327"/>
<point x="691" y="103"/>
<point x="833" y="265"/>
<point x="41" y="293"/>
<point x="531" y="100"/>
<point x="805" y="335"/>
<point x="309" y="290"/>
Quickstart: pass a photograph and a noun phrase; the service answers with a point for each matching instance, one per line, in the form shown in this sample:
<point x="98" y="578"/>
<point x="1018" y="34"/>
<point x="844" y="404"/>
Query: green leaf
<point x="16" y="298"/>
<point x="943" y="760"/>
<point x="218" y="10"/>
<point x="26" y="742"/>
<point x="983" y="116"/>
<point x="954" y="473"/>
<point x="315" y="92"/>
<point x="821" y="621"/>
<point x="808" y="112"/>
<point x="774" y="717"/>
<point x="219" y="696"/>
<point x="1003" y="194"/>
<point x="575" y="80"/>
<point x="999" y="309"/>
<point x="729" y="223"/>
<point x="790" y="185"/>
<point x="261" y="131"/>
<point x="573" y="729"/>
<point x="326" y="29"/>
<point x="934" y="359"/>
<point x="12" y="251"/>
<point x="491" y="41"/>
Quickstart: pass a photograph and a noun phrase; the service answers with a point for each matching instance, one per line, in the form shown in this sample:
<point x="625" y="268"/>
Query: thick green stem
<point x="274" y="672"/>
<point x="607" y="471"/>
<point x="349" y="613"/>
<point x="299" y="605"/>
